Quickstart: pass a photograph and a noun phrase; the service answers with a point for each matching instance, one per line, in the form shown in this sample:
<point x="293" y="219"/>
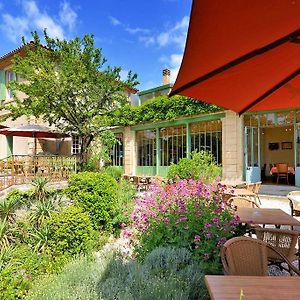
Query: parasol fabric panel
<point x="243" y="55"/>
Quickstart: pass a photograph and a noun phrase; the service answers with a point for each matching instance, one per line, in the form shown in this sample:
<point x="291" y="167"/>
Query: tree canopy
<point x="67" y="85"/>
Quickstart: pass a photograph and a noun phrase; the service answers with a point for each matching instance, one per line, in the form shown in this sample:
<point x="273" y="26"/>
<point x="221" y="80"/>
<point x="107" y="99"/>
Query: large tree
<point x="67" y="84"/>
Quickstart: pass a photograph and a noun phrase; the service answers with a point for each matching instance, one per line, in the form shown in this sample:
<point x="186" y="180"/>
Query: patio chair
<point x="250" y="186"/>
<point x="256" y="189"/>
<point x="294" y="198"/>
<point x="142" y="183"/>
<point x="282" y="172"/>
<point x="244" y="256"/>
<point x="242" y="202"/>
<point x="284" y="241"/>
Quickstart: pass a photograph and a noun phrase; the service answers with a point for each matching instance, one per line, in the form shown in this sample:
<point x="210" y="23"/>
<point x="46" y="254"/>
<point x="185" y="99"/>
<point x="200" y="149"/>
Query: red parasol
<point x="243" y="55"/>
<point x="34" y="131"/>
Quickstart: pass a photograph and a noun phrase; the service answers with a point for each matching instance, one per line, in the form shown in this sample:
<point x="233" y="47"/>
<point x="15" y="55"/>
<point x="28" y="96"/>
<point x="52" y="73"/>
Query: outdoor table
<point x="254" y="287"/>
<point x="271" y="216"/>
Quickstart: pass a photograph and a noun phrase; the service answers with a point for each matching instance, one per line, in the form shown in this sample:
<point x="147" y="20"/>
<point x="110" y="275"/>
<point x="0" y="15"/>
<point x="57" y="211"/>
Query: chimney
<point x="166" y="76"/>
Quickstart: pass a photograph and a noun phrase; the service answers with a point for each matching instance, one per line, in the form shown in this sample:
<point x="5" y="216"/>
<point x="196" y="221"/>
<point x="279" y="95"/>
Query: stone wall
<point x="232" y="146"/>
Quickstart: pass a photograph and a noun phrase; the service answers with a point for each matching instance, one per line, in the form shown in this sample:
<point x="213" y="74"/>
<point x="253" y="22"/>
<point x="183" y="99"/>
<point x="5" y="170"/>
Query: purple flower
<point x="207" y="225"/>
<point x="206" y="256"/>
<point x="197" y="238"/>
<point x="208" y="235"/>
<point x="215" y="220"/>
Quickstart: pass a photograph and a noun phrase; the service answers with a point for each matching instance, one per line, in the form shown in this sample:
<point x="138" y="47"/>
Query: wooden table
<point x="254" y="287"/>
<point x="272" y="216"/>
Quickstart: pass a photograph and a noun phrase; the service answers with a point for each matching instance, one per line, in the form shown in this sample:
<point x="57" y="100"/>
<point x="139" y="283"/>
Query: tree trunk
<point x="83" y="157"/>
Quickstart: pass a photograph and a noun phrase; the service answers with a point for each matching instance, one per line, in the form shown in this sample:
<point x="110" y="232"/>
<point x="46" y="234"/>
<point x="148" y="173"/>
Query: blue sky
<point x="144" y="36"/>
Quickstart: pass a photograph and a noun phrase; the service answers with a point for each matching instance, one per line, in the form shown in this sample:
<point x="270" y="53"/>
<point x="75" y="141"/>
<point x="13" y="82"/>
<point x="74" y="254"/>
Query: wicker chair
<point x="242" y="202"/>
<point x="246" y="256"/>
<point x="282" y="172"/>
<point x="284" y="241"/>
<point x="250" y="186"/>
<point x="256" y="189"/>
<point x="294" y="198"/>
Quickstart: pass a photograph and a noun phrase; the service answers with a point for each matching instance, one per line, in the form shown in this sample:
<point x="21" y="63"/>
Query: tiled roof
<point x="3" y="57"/>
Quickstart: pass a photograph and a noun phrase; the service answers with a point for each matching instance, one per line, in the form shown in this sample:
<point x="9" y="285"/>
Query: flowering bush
<point x="186" y="214"/>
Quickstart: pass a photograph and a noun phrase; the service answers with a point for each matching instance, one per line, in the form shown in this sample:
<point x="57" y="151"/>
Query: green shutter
<point x="2" y="85"/>
<point x="10" y="145"/>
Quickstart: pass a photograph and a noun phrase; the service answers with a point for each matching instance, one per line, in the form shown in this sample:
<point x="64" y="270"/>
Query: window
<point x="76" y="145"/>
<point x="173" y="144"/>
<point x="207" y="136"/>
<point x="146" y="147"/>
<point x="117" y="152"/>
<point x="9" y="76"/>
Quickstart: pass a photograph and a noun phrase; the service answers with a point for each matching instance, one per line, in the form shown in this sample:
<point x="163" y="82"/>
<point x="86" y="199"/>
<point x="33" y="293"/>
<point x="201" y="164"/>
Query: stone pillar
<point x="129" y="151"/>
<point x="232" y="146"/>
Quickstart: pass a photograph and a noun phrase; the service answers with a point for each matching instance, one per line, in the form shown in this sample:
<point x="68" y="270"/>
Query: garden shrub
<point x="201" y="166"/>
<point x="96" y="193"/>
<point x="114" y="171"/>
<point x="166" y="273"/>
<point x="70" y="232"/>
<point x="186" y="214"/>
<point x="126" y="193"/>
<point x="19" y="266"/>
<point x="76" y="281"/>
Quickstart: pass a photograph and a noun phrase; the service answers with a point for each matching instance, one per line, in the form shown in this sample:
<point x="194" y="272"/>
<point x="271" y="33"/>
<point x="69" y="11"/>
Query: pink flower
<point x="206" y="256"/>
<point x="215" y="220"/>
<point x="197" y="238"/>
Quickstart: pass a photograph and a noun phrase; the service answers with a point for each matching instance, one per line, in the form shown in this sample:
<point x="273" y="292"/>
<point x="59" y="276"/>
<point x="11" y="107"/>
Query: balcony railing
<point x="21" y="169"/>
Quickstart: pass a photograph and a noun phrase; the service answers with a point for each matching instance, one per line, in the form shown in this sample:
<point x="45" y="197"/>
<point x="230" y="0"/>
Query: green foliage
<point x="20" y="265"/>
<point x="114" y="171"/>
<point x="76" y="281"/>
<point x="161" y="108"/>
<point x="96" y="193"/>
<point x="40" y="190"/>
<point x="5" y="234"/>
<point x="166" y="273"/>
<point x="201" y="166"/>
<point x="12" y="201"/>
<point x="42" y="211"/>
<point x="67" y="85"/>
<point x="70" y="232"/>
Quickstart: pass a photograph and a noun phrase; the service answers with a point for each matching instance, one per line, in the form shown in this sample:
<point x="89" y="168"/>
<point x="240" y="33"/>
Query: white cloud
<point x="53" y="29"/>
<point x="30" y="17"/>
<point x="136" y="30"/>
<point x="147" y="40"/>
<point x="175" y="61"/>
<point x="132" y="30"/>
<point x="67" y="15"/>
<point x="14" y="28"/>
<point x="174" y="35"/>
<point x="163" y="39"/>
<point x="114" y="21"/>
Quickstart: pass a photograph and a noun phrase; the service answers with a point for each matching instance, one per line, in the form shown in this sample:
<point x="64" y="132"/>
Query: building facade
<point x="248" y="147"/>
<point x="13" y="145"/>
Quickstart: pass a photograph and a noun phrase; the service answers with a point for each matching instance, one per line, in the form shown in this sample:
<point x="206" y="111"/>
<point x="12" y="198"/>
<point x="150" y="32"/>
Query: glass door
<point x="252" y="154"/>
